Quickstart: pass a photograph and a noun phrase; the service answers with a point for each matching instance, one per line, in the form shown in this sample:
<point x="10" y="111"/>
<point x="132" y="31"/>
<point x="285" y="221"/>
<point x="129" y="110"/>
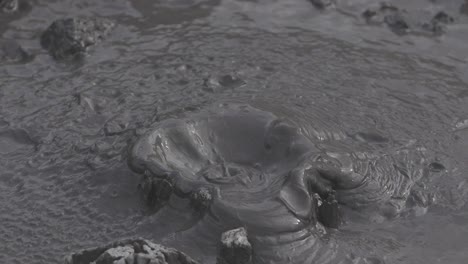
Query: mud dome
<point x="250" y="168"/>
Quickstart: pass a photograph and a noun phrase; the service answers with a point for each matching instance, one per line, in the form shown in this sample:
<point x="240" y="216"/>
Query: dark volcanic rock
<point x="400" y="21"/>
<point x="9" y="6"/>
<point x="443" y="17"/>
<point x="11" y="51"/>
<point x="235" y="247"/>
<point x="71" y="37"/>
<point x="436" y="167"/>
<point x="391" y="15"/>
<point x="329" y="214"/>
<point x="438" y="22"/>
<point x="369" y="15"/>
<point x="397" y="23"/>
<point x="322" y="4"/>
<point x="156" y="191"/>
<point x="137" y="251"/>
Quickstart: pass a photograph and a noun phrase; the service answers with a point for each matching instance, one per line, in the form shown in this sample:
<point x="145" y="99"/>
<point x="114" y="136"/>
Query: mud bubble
<point x="251" y="168"/>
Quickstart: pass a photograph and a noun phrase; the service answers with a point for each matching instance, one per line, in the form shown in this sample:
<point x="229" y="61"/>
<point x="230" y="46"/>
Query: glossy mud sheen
<point x="348" y="87"/>
<point x="243" y="166"/>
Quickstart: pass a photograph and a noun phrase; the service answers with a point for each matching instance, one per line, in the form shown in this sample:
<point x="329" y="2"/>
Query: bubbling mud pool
<point x="372" y="92"/>
<point x="257" y="170"/>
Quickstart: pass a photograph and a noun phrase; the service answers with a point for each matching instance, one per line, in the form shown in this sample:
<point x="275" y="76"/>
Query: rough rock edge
<point x="438" y="23"/>
<point x="235" y="247"/>
<point x="387" y="14"/>
<point x="156" y="191"/>
<point x="328" y="212"/>
<point x="129" y="250"/>
<point x="201" y="198"/>
<point x="71" y="37"/>
<point x="396" y="20"/>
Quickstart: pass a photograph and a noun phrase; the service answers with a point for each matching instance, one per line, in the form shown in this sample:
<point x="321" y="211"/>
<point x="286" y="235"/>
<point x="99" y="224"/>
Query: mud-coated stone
<point x="401" y="21"/>
<point x="389" y="15"/>
<point x="9" y="6"/>
<point x="155" y="191"/>
<point x="235" y="247"/>
<point x="443" y="17"/>
<point x="71" y="37"/>
<point x="322" y="4"/>
<point x="130" y="251"/>
<point x="397" y="23"/>
<point x="436" y="167"/>
<point x="114" y="254"/>
<point x="438" y="22"/>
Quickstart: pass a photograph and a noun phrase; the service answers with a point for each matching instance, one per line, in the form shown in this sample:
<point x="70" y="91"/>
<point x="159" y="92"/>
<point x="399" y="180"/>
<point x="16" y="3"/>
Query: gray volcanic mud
<point x="263" y="173"/>
<point x="344" y="94"/>
<point x="251" y="160"/>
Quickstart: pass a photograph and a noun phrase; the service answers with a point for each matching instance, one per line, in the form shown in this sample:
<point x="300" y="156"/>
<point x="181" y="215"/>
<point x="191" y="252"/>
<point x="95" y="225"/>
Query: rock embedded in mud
<point x="135" y="251"/>
<point x="438" y="22"/>
<point x="443" y="17"/>
<point x="387" y="14"/>
<point x="9" y="6"/>
<point x="201" y="199"/>
<point x="397" y="23"/>
<point x="398" y="20"/>
<point x="71" y="37"/>
<point x="155" y="191"/>
<point x="329" y="214"/>
<point x="322" y="4"/>
<point x="436" y="167"/>
<point x="369" y="15"/>
<point x="115" y="254"/>
<point x="11" y="51"/>
<point x="235" y="247"/>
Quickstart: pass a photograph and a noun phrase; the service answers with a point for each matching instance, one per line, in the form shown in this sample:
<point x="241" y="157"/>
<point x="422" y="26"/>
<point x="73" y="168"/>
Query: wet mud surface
<point x="332" y="131"/>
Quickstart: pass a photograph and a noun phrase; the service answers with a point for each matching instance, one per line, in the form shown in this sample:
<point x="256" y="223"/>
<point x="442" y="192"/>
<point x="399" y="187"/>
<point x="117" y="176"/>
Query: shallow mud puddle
<point x="65" y="127"/>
